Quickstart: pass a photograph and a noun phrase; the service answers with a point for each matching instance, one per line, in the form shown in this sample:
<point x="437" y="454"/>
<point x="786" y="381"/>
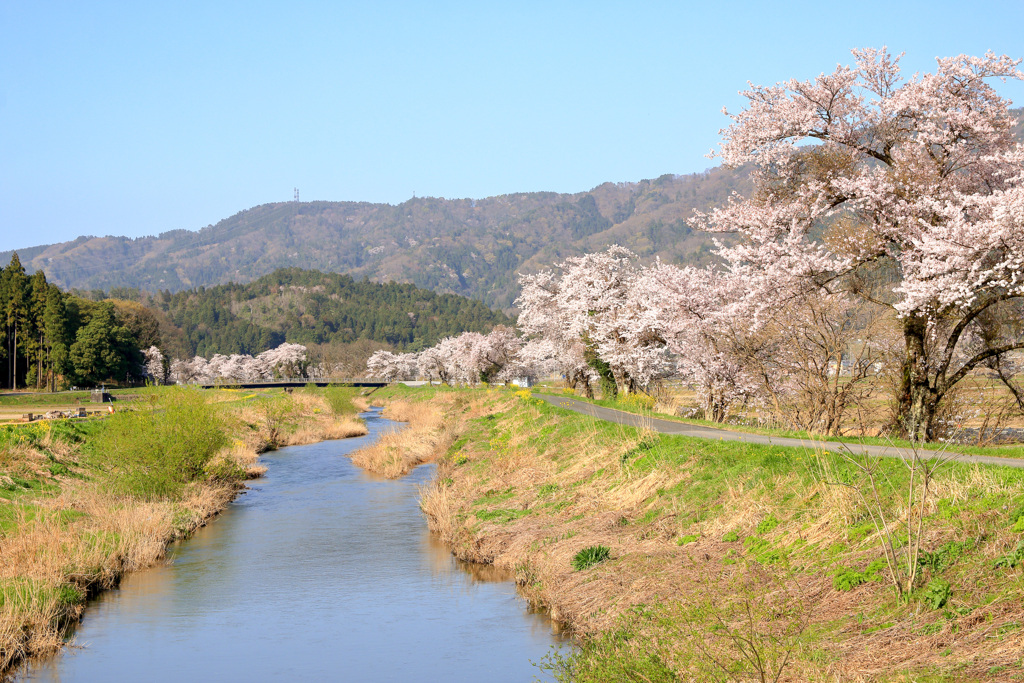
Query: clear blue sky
<point x="134" y="118"/>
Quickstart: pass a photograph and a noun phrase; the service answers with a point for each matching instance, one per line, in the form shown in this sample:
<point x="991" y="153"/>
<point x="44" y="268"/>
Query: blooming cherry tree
<point x="392" y="367"/>
<point x="904" y="192"/>
<point x="153" y="368"/>
<point x="592" y="302"/>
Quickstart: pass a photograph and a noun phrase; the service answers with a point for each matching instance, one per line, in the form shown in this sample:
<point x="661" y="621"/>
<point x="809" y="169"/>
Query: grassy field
<point x="84" y="501"/>
<point x="674" y="558"/>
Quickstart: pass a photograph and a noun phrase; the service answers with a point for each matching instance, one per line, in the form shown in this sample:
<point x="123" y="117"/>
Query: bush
<point x="588" y="557"/>
<point x="152" y="453"/>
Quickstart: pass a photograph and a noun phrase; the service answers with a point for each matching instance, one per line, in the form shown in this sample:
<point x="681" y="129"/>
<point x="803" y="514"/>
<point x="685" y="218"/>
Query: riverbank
<point x="84" y="502"/>
<point x="675" y="558"/>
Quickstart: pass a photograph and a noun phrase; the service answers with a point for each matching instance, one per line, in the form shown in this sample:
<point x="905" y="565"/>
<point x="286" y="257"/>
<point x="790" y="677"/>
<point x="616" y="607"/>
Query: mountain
<point x="462" y="246"/>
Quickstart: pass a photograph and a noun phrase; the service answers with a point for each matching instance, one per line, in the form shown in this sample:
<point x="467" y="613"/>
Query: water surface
<point x="320" y="572"/>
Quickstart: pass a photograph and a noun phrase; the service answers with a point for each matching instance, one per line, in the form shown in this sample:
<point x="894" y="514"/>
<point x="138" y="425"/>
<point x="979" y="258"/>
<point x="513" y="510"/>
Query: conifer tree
<point x="57" y="334"/>
<point x="15" y="313"/>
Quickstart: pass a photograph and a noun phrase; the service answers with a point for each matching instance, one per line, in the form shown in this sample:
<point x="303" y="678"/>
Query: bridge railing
<point x="289" y="381"/>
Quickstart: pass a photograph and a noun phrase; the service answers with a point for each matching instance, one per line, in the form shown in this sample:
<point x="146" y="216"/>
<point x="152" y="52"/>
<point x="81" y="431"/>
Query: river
<point x="319" y="572"/>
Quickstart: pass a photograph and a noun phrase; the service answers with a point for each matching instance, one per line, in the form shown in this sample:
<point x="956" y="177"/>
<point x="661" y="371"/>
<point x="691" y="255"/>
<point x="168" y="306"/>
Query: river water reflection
<point x="320" y="572"/>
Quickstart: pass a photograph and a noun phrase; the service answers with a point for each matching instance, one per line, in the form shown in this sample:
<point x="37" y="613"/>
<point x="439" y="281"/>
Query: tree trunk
<point x="39" y="364"/>
<point x="918" y="398"/>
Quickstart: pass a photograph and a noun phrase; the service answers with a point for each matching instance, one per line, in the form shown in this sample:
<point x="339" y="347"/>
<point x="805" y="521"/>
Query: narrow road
<point x="684" y="429"/>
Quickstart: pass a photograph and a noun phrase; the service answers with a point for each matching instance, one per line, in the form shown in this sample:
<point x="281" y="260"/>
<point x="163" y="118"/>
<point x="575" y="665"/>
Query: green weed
<point x="588" y="557"/>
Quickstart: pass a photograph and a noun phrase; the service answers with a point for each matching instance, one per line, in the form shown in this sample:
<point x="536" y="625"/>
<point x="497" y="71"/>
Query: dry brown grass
<point x="395" y="453"/>
<point x="325" y="428"/>
<point x="89" y="539"/>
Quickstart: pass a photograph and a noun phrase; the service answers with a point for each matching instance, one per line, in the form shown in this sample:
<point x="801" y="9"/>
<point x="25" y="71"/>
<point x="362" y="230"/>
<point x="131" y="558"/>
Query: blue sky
<point x="137" y="118"/>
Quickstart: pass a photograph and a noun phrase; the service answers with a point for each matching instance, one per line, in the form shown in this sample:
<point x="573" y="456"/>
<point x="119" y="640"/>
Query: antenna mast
<point x="296" y="194"/>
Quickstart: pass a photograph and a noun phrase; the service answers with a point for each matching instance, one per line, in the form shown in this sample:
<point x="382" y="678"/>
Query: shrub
<point x="625" y="654"/>
<point x="588" y="557"/>
<point x="152" y="453"/>
<point x="730" y="537"/>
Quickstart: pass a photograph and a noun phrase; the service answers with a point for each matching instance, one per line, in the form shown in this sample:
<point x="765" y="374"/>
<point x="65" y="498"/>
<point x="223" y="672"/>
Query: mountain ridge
<point x="471" y="247"/>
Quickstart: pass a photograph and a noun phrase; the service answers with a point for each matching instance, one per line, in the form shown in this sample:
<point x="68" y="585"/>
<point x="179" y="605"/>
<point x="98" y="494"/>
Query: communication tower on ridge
<point x="296" y="194"/>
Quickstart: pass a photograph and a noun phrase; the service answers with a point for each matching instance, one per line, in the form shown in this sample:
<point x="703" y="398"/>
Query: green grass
<point x="62" y="398"/>
<point x="966" y="553"/>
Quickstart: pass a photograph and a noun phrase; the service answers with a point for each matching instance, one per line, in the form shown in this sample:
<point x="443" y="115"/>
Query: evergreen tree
<point x="104" y="350"/>
<point x="57" y="335"/>
<point x="35" y="348"/>
<point x="15" y="313"/>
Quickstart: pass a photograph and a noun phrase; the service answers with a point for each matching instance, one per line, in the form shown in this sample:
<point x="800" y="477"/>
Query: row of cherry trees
<point x="468" y="358"/>
<point x="885" y="230"/>
<point x="287" y="360"/>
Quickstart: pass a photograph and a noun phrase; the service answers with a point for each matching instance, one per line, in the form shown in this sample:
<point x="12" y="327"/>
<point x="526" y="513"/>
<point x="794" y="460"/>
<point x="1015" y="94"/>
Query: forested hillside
<point x="313" y="308"/>
<point x="462" y="246"/>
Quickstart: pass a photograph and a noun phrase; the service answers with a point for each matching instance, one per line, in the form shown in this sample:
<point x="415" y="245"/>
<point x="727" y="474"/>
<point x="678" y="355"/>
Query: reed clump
<point x="395" y="453"/>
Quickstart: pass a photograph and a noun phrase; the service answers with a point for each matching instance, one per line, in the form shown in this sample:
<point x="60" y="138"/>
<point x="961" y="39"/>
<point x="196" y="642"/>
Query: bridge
<point x="291" y="382"/>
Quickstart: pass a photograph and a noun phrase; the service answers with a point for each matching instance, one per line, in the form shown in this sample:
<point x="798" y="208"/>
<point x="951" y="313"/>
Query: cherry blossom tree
<point x="592" y="302"/>
<point x="541" y="317"/>
<point x="392" y="366"/>
<point x="286" y="360"/>
<point x="905" y="192"/>
<point x="435" y="362"/>
<point x="153" y="367"/>
<point x="696" y="311"/>
<point x="188" y="371"/>
<point x="499" y="359"/>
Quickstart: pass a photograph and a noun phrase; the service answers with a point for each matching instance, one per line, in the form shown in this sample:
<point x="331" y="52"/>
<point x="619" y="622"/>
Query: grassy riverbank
<point x="675" y="558"/>
<point x="84" y="502"/>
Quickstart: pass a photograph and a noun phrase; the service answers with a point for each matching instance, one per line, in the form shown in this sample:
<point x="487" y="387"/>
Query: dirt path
<point x="684" y="429"/>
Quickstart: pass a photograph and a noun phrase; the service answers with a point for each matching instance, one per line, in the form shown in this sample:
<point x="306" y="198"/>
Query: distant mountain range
<point x="461" y="246"/>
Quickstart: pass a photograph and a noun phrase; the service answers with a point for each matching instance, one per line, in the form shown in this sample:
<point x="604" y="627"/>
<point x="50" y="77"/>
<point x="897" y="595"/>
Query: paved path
<point x="684" y="429"/>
